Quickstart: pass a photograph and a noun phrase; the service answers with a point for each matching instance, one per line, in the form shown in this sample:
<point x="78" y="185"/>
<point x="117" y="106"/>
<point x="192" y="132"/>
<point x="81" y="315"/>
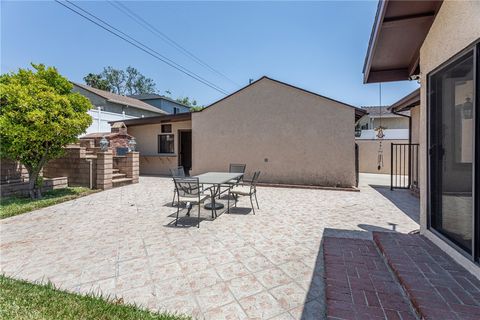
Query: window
<point x="453" y="116"/>
<point x="165" y="143"/>
<point x="175" y="110"/>
<point x="166" y="128"/>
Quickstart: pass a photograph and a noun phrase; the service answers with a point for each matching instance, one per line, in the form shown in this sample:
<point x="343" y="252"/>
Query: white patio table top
<point x="217" y="177"/>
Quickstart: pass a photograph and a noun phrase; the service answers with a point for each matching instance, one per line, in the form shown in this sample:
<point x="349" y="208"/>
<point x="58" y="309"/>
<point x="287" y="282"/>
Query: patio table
<point x="216" y="179"/>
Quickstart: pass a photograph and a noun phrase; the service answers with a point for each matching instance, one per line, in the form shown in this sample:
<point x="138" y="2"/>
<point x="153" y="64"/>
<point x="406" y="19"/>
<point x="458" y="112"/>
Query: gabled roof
<point x="119" y="99"/>
<point x="154" y="96"/>
<point x="358" y="111"/>
<point x="406" y="103"/>
<point x="398" y="32"/>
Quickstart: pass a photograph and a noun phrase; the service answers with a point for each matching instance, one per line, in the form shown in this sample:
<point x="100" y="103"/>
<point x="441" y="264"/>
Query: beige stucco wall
<point x="291" y="136"/>
<point x="456" y="26"/>
<point x="368" y="155"/>
<point x="147" y="144"/>
<point x="415" y="114"/>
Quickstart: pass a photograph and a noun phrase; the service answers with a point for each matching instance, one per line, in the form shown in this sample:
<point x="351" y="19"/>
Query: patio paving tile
<point x="272" y="277"/>
<point x="232" y="270"/>
<point x="231" y="311"/>
<point x="121" y="241"/>
<point x="245" y="286"/>
<point x="261" y="306"/>
<point x="289" y="295"/>
<point x="215" y="296"/>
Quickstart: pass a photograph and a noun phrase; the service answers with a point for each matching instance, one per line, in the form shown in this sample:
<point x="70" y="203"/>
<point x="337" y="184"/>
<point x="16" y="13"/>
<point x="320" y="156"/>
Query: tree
<point x="96" y="81"/>
<point x="39" y="116"/>
<point x="128" y="82"/>
<point x="191" y="103"/>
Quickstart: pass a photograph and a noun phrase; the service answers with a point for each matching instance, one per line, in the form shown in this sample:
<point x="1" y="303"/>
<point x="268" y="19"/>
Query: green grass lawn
<point x="12" y="206"/>
<point x="24" y="300"/>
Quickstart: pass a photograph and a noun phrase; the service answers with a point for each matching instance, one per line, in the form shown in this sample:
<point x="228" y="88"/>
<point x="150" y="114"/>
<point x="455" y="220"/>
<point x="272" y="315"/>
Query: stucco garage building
<point x="292" y="135"/>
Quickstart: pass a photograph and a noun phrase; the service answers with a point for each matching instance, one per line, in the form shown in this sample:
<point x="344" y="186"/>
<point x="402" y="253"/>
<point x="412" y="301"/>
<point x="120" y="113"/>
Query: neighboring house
<point x="291" y="135"/>
<point x="109" y="106"/>
<point x="396" y="128"/>
<point x="163" y="103"/>
<point x="439" y="44"/>
<point x="395" y="125"/>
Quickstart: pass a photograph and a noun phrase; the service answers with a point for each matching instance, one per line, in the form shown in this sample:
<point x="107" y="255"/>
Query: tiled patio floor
<point x="264" y="266"/>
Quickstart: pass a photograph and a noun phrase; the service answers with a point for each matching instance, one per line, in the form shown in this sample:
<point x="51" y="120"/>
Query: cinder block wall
<point x="80" y="170"/>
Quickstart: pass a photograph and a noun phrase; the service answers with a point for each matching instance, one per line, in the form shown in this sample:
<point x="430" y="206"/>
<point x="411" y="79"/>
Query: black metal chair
<point x="237" y="168"/>
<point x="177" y="172"/>
<point x="247" y="188"/>
<point x="188" y="191"/>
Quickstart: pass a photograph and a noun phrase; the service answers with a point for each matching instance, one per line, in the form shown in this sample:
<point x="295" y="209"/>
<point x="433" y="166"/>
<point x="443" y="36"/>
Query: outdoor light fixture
<point x="132" y="144"/>
<point x="104" y="144"/>
<point x="468" y="109"/>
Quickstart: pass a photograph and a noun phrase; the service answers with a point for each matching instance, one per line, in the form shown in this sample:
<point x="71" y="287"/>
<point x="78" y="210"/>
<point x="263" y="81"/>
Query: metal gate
<point x="404" y="171"/>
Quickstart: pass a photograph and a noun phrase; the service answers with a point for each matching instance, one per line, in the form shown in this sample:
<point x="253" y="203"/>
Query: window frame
<point x="473" y="48"/>
<point x="159" y="144"/>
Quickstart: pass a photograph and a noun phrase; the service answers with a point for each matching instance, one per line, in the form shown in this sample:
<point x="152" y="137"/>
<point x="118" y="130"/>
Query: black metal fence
<point x="404" y="170"/>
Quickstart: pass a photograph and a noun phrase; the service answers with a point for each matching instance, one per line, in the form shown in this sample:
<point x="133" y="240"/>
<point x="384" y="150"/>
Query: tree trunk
<point x="33" y="188"/>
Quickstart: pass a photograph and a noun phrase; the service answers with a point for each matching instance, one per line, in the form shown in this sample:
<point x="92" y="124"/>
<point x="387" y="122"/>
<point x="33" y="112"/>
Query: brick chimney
<point x="119" y="127"/>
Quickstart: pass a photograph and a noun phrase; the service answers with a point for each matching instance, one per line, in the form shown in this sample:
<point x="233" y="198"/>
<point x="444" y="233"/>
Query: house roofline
<point x="184" y="116"/>
<point x="358" y="111"/>
<point x="406" y="103"/>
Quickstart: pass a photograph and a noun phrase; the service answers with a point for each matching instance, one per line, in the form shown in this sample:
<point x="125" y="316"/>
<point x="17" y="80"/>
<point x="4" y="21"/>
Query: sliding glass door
<point x="453" y="117"/>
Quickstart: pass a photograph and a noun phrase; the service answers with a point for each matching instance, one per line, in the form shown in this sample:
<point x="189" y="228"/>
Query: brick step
<point x="358" y="283"/>
<point x="116" y="170"/>
<point x="121" y="182"/>
<point x="437" y="286"/>
<point x="90" y="156"/>
<point x="118" y="175"/>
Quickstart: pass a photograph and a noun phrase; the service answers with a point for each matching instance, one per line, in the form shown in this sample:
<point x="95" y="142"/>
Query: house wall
<point x="151" y="162"/>
<point x="289" y="135"/>
<point x="368" y="155"/>
<point x="415" y="114"/>
<point x="396" y="122"/>
<point x="166" y="105"/>
<point x="455" y="27"/>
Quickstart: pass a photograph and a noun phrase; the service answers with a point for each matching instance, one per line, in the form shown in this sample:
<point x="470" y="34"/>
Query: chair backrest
<point x="189" y="187"/>
<point x="237" y="168"/>
<point x="178" y="172"/>
<point x="256" y="174"/>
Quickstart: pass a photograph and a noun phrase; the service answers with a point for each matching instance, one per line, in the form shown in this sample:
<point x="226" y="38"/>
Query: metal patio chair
<point x="236" y="168"/>
<point x="188" y="191"/>
<point x="247" y="188"/>
<point x="177" y="172"/>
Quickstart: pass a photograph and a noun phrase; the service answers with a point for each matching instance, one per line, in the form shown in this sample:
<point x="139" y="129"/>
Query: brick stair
<point x="120" y="179"/>
<point x="437" y="286"/>
<point x="396" y="276"/>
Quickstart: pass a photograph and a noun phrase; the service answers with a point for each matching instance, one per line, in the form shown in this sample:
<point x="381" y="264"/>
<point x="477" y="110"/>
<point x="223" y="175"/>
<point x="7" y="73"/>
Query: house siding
<point x="166" y="105"/>
<point x="291" y="136"/>
<point x="455" y="27"/>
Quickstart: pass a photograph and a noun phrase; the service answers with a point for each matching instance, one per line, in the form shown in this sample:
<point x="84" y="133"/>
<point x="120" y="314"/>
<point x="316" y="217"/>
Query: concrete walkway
<point x="266" y="266"/>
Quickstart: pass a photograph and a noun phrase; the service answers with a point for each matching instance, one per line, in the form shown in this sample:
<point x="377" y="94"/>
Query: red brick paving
<point x="358" y="283"/>
<point x="438" y="287"/>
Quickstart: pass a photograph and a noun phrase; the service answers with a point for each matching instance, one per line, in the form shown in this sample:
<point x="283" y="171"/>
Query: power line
<point x="141" y="21"/>
<point x="141" y="46"/>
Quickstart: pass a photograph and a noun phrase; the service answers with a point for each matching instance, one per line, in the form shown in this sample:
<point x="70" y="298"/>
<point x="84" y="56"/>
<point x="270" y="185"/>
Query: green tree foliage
<point x="126" y="82"/>
<point x="96" y="81"/>
<point x="39" y="115"/>
<point x="191" y="103"/>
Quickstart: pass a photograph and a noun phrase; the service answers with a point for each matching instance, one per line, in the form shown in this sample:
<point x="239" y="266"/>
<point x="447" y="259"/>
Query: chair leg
<point x="251" y="202"/>
<point x="178" y="210"/>
<point x="228" y="201"/>
<point x="198" y="225"/>
<point x="256" y="200"/>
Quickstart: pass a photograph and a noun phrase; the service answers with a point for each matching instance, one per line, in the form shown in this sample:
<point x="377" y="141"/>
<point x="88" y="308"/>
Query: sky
<point x="319" y="46"/>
